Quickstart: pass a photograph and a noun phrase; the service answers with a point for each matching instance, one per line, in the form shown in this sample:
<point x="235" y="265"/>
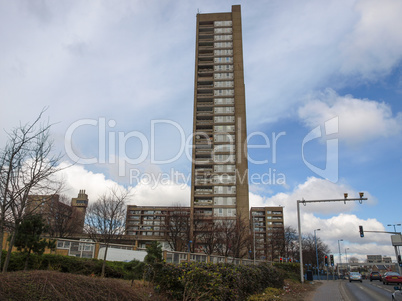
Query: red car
<point x="391" y="277"/>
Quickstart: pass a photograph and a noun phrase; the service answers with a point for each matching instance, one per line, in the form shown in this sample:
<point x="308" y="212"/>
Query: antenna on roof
<point x="198" y="10"/>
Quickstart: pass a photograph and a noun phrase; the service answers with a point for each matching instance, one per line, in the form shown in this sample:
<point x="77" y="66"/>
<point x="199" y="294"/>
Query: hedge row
<point x="202" y="281"/>
<point x="74" y="265"/>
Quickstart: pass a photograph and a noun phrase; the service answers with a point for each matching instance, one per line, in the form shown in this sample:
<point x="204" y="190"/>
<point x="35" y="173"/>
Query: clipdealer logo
<point x="331" y="171"/>
<point x="112" y="149"/>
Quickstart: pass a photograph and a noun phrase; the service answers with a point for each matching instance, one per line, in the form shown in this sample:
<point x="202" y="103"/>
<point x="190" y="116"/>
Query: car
<point x="397" y="295"/>
<point x="375" y="276"/>
<point x="355" y="276"/>
<point x="391" y="277"/>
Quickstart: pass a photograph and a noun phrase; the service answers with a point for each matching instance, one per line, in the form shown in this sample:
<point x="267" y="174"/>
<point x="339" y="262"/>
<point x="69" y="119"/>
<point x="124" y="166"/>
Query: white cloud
<point x="150" y="191"/>
<point x="360" y="120"/>
<point x="341" y="223"/>
<point x="167" y="194"/>
<point x="374" y="46"/>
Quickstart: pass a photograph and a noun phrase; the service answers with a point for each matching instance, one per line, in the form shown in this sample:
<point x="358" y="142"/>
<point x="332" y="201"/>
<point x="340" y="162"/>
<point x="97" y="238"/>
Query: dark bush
<point x="74" y="265"/>
<point x="291" y="269"/>
<point x="213" y="281"/>
<point x="51" y="285"/>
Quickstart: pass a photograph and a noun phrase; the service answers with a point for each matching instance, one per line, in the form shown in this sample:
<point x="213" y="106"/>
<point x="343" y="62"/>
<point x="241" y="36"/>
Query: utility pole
<point x="316" y="252"/>
<point x="340" y="256"/>
<point x="304" y="202"/>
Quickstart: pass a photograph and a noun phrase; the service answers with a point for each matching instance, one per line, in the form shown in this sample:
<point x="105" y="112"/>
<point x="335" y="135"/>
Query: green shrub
<point x="74" y="265"/>
<point x="190" y="281"/>
<point x="291" y="269"/>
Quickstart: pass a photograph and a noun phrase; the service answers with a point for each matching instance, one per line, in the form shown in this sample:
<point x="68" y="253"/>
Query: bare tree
<point x="275" y="245"/>
<point x="234" y="238"/>
<point x="27" y="164"/>
<point x="309" y="250"/>
<point x="241" y="238"/>
<point x="225" y="231"/>
<point x="291" y="243"/>
<point x="106" y="217"/>
<point x="208" y="235"/>
<point x="61" y="218"/>
<point x="177" y="226"/>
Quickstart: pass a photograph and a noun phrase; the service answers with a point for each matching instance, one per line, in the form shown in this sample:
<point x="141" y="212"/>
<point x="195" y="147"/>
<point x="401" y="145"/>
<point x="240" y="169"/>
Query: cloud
<point x="360" y="120"/>
<point x="373" y="48"/>
<point x="334" y="219"/>
<point x="153" y="189"/>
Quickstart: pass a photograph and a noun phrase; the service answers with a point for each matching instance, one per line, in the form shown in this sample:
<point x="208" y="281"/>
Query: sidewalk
<point x="328" y="291"/>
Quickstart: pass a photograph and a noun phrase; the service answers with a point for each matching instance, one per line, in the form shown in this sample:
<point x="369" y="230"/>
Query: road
<point x="353" y="291"/>
<point x="367" y="291"/>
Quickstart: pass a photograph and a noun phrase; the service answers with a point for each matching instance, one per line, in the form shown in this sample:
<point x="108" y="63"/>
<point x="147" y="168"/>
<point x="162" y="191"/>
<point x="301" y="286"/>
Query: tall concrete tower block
<point x="219" y="189"/>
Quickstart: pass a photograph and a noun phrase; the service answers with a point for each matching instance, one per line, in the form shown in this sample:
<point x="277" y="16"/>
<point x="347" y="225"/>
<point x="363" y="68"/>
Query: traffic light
<point x="399" y="259"/>
<point x="332" y="259"/>
<point x="361" y="231"/>
<point x="326" y="260"/>
<point x="280" y="259"/>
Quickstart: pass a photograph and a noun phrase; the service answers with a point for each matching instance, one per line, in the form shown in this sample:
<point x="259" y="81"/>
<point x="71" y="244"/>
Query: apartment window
<point x="223" y="75"/>
<point x="224" y="158"/>
<point x="224" y="119"/>
<point x="222" y="23"/>
<point x="224" y="148"/>
<point x="224" y="84"/>
<point x="224" y="101"/>
<point x="224" y="179"/>
<point x="223" y="37"/>
<point x="223" y="45"/>
<point x="223" y="30"/>
<point x="223" y="110"/>
<point x="224" y="128"/>
<point x="225" y="200"/>
<point x="223" y="52"/>
<point x="224" y="212"/>
<point x="223" y="68"/>
<point x="224" y="168"/>
<point x="224" y="189"/>
<point x="224" y="138"/>
<point x="223" y="60"/>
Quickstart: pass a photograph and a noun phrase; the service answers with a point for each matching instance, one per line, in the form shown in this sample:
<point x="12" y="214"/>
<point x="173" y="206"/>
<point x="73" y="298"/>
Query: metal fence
<point x="179" y="257"/>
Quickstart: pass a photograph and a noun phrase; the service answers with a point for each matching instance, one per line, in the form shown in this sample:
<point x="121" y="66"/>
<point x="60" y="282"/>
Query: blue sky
<point x="127" y="64"/>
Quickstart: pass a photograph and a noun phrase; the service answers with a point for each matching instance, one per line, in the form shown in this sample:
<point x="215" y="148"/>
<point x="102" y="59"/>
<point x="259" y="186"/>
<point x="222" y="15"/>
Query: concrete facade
<point x="267" y="224"/>
<point x="219" y="189"/>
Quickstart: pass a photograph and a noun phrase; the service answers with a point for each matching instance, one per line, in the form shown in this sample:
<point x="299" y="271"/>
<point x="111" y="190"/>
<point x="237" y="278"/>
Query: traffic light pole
<point x="304" y="202"/>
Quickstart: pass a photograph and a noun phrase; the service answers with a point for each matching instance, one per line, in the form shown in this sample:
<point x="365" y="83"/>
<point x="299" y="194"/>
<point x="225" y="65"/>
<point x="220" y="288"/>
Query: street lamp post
<point x="316" y="251"/>
<point x="340" y="255"/>
<point x="304" y="202"/>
